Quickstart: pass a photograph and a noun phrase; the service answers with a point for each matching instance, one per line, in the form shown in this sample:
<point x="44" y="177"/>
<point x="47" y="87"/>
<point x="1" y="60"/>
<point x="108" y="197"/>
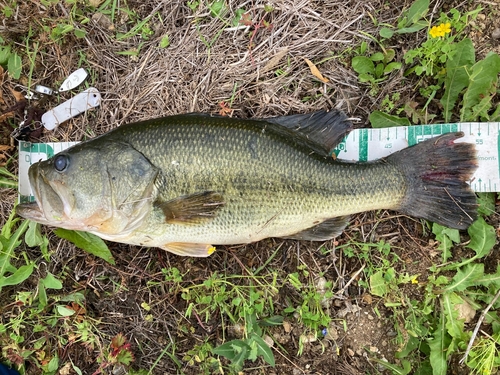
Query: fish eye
<point x="61" y="162"/>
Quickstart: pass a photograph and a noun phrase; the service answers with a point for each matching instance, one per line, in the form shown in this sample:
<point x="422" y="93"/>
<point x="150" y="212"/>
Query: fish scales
<point x="186" y="182"/>
<point x="271" y="185"/>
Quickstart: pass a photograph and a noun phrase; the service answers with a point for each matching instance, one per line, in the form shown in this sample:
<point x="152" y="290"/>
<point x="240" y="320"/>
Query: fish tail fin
<point x="437" y="171"/>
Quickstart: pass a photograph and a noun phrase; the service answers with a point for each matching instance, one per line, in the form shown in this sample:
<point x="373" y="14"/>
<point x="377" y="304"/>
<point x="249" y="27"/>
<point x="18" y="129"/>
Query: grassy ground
<point x="384" y="297"/>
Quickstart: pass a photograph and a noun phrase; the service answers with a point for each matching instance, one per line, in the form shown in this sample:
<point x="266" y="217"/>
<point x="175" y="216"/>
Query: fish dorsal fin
<point x="322" y="130"/>
<point x="198" y="250"/>
<point x="193" y="208"/>
<point x="324" y="231"/>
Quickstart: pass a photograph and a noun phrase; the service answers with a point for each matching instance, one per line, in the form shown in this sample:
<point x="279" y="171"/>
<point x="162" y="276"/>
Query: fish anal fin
<point x="323" y="231"/>
<point x="322" y="130"/>
<point x="198" y="250"/>
<point x="194" y="208"/>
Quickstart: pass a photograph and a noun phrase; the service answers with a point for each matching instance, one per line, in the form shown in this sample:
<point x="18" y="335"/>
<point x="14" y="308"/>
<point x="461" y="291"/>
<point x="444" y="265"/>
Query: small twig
<point x="199" y="321"/>
<point x="456" y="203"/>
<point x="341" y="291"/>
<point x="478" y="325"/>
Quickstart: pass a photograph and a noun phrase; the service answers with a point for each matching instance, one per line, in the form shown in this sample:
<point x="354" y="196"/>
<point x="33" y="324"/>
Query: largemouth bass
<point x="185" y="183"/>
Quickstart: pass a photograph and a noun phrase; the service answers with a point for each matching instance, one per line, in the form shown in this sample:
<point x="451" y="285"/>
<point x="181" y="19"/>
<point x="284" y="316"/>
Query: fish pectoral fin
<point x="322" y="130"/>
<point x="324" y="231"/>
<point x="199" y="250"/>
<point x="193" y="208"/>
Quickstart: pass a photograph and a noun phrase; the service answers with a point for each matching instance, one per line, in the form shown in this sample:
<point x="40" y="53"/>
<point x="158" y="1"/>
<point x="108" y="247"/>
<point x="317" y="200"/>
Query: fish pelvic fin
<point x="323" y="231"/>
<point x="191" y="209"/>
<point x="437" y="171"/>
<point x="322" y="130"/>
<point x="198" y="250"/>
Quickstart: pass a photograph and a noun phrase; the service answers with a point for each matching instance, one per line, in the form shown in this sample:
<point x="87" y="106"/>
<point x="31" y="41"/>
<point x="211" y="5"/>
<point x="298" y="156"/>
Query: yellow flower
<point x="435" y="31"/>
<point x="414" y="280"/>
<point x="446" y="28"/>
<point x="441" y="30"/>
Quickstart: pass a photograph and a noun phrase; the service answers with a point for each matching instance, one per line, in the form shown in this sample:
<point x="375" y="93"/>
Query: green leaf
<point x="412" y="344"/>
<point x="489" y="279"/>
<point x="483" y="237"/>
<point x="480" y="110"/>
<point x="395" y="370"/>
<point x="275" y="320"/>
<point x="165" y="41"/>
<point x="14" y="65"/>
<point x="495" y="116"/>
<point x="21" y="274"/>
<point x="483" y="79"/>
<point x="227" y="349"/>
<point x="125" y="357"/>
<point x="130" y="52"/>
<point x="386" y="32"/>
<point x="383" y="120"/>
<point x="50" y="282"/>
<point x="237" y="351"/>
<point x="216" y="8"/>
<point x="64" y="311"/>
<point x="414" y="28"/>
<point x="53" y="364"/>
<point x="378" y="284"/>
<point x="79" y="33"/>
<point x="33" y="237"/>
<point x="88" y="242"/>
<point x="417" y="10"/>
<point x="366" y="77"/>
<point x="254" y="350"/>
<point x="457" y="77"/>
<point x="263" y="349"/>
<point x="377" y="56"/>
<point x="390" y="53"/>
<point x="363" y="47"/>
<point x="363" y="65"/>
<point x="446" y="236"/>
<point x="392" y="66"/>
<point x="8" y="243"/>
<point x="42" y="294"/>
<point x="454" y="326"/>
<point x="438" y="346"/>
<point x="486" y="203"/>
<point x="4" y="54"/>
<point x="239" y="359"/>
<point x="465" y="277"/>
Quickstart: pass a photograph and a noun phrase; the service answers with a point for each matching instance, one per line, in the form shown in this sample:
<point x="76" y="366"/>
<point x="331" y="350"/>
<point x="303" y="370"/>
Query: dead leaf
<point x="18" y="95"/>
<point x="103" y="21"/>
<point x="12" y="355"/>
<point x="275" y="60"/>
<point x="66" y="369"/>
<point x="6" y="116"/>
<point x="315" y="71"/>
<point x="6" y="148"/>
<point x="246" y="19"/>
<point x="287" y="326"/>
<point x="367" y="298"/>
<point x="225" y="110"/>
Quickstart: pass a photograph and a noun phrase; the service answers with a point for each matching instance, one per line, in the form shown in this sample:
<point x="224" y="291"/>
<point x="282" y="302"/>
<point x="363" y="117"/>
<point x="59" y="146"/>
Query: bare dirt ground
<point x="245" y="71"/>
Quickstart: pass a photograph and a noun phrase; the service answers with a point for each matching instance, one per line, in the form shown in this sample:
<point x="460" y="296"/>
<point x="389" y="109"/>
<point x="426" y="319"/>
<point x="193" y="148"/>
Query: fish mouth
<point x="31" y="211"/>
<point x="49" y="207"/>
